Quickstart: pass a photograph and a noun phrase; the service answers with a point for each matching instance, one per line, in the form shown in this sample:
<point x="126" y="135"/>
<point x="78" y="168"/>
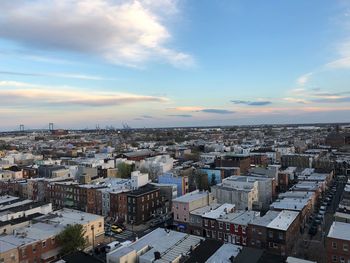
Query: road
<point x="313" y="247"/>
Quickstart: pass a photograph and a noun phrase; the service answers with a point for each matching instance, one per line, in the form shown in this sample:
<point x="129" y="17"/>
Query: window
<point x="334" y="258"/>
<point x="253" y="229"/>
<point x="206" y="222"/>
<point x="208" y="233"/>
<point x="177" y="216"/>
<point x="227" y="226"/>
<point x="100" y="224"/>
<point x="280" y="235"/>
<point x="346" y="247"/>
<point x="244" y="229"/>
<point x="270" y="244"/>
<point x="23" y="251"/>
<point x="220" y="225"/>
<point x="341" y="259"/>
<point x="270" y="234"/>
<point x="334" y="245"/>
<point x="185" y="208"/>
<point x="212" y="223"/>
<point x="214" y="234"/>
<point x="43" y="244"/>
<point x="34" y="248"/>
<point x="275" y="245"/>
<point x="53" y="240"/>
<point x="143" y="198"/>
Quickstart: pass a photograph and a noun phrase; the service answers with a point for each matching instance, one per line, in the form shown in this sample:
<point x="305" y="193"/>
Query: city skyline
<point x="173" y="63"/>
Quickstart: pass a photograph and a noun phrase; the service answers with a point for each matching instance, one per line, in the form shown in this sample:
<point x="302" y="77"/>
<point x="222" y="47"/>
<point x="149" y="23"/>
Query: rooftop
<point x="266" y="219"/>
<point x="192" y="196"/>
<point x="224" y="253"/>
<point x="283" y="220"/>
<point x="220" y="211"/>
<point x="339" y="230"/>
<point x="170" y="244"/>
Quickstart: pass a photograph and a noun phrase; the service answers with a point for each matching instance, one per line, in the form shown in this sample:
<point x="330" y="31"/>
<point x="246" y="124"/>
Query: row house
<point x="183" y="205"/>
<point x="196" y="224"/>
<point x="276" y="232"/>
<point x="68" y="194"/>
<point x="118" y="205"/>
<point x="233" y="228"/>
<point x="301" y="205"/>
<point x="143" y="204"/>
<point x="338" y="243"/>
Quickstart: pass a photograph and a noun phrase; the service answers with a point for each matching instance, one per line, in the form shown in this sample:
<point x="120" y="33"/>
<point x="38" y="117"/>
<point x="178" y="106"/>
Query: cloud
<point x="302" y="80"/>
<point x="147" y="117"/>
<point x="187" y="108"/>
<point x="181" y="115"/>
<point x="54" y="74"/>
<point x="217" y="111"/>
<point x="18" y="94"/>
<point x="295" y="100"/>
<point x="332" y="100"/>
<point x="251" y="103"/>
<point x="124" y="32"/>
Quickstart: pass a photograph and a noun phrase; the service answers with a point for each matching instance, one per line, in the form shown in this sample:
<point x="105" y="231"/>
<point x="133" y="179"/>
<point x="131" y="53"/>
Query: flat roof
<point x="283" y="220"/>
<point x="240" y="217"/>
<point x="219" y="211"/>
<point x="298" y="260"/>
<point x="4" y="199"/>
<point x="266" y="219"/>
<point x="296" y="204"/>
<point x="339" y="230"/>
<point x="170" y="244"/>
<point x="192" y="196"/>
<point x="224" y="253"/>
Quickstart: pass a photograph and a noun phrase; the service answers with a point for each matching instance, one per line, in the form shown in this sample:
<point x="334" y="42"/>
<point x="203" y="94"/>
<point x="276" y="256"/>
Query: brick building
<point x="143" y="204"/>
<point x="338" y="243"/>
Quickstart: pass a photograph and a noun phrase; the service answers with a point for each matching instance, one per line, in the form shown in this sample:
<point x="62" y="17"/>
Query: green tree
<point x="124" y="170"/>
<point x="201" y="180"/>
<point x="72" y="239"/>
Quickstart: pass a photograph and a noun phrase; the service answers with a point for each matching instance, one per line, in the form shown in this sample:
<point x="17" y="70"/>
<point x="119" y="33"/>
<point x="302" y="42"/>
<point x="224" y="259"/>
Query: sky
<point x="166" y="63"/>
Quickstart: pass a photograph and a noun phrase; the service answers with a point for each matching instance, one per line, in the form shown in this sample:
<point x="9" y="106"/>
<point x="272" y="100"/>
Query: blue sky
<point x="156" y="63"/>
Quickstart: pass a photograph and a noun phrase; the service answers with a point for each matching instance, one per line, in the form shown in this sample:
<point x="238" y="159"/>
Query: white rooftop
<point x="192" y="196"/>
<point x="219" y="211"/>
<point x="283" y="220"/>
<point x="266" y="219"/>
<point x="170" y="244"/>
<point x="296" y="204"/>
<point x="7" y="198"/>
<point x="339" y="230"/>
<point x="224" y="253"/>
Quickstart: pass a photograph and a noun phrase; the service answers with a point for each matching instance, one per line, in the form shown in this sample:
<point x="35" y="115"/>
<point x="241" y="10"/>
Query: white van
<point x="111" y="246"/>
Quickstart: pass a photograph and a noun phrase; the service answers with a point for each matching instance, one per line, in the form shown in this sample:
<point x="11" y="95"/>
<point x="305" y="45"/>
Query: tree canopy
<point x="72" y="239"/>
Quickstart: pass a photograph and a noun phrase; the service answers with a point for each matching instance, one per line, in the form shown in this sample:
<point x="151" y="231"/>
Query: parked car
<point x="111" y="246"/>
<point x="116" y="229"/>
<point x="313" y="230"/>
